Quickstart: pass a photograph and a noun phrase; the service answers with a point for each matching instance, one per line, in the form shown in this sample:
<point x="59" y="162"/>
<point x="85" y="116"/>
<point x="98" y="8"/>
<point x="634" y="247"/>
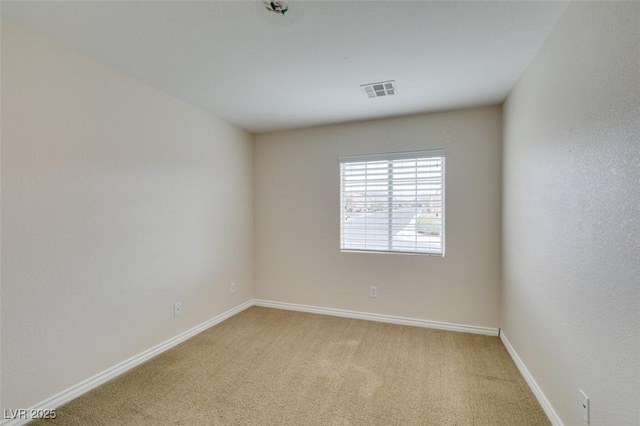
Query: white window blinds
<point x="393" y="202"/>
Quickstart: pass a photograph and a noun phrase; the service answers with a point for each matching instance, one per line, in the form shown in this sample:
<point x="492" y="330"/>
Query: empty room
<point x="320" y="213"/>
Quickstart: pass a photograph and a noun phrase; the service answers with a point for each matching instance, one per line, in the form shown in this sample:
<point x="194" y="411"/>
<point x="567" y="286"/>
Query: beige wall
<point x="117" y="201"/>
<point x="297" y="226"/>
<point x="571" y="298"/>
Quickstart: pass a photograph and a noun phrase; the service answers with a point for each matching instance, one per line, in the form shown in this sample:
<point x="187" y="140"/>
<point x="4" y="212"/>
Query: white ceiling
<point x="263" y="71"/>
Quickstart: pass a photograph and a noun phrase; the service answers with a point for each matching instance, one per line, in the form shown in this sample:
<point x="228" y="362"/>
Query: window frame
<point x="390" y="157"/>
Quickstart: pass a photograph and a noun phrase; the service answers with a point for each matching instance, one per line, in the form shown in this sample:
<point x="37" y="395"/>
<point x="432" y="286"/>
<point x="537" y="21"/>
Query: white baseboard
<point x="110" y="373"/>
<point x="489" y="331"/>
<point x="542" y="399"/>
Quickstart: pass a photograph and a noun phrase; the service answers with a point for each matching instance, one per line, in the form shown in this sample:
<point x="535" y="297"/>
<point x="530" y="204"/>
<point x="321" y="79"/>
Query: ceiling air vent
<point x="382" y="88"/>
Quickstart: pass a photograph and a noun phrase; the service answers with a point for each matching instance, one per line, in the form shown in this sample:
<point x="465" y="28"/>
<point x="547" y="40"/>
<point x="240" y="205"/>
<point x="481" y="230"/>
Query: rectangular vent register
<point x="383" y="88"/>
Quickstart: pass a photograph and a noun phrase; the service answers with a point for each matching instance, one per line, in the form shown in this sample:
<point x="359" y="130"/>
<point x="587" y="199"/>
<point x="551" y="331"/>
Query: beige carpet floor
<point x="274" y="367"/>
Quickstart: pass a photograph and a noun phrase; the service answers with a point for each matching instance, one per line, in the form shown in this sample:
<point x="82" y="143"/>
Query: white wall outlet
<point x="584" y="406"/>
<point x="232" y="288"/>
<point x="177" y="309"/>
<point x="373" y="291"/>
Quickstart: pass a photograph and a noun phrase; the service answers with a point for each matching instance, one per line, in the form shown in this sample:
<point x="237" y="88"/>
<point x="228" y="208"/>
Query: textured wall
<point x="297" y="220"/>
<point x="117" y="201"/>
<point x="571" y="297"/>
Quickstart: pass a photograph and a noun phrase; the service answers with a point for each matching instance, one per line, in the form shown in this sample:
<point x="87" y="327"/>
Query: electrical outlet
<point x="177" y="309"/>
<point x="232" y="288"/>
<point x="584" y="406"/>
<point x="373" y="291"/>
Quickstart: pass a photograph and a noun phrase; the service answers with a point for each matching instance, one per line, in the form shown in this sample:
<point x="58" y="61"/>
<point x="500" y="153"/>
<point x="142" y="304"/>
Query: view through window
<point x="393" y="202"/>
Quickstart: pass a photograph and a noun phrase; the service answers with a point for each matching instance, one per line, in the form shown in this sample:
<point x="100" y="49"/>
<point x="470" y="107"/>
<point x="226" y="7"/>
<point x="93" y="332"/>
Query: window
<point x="393" y="203"/>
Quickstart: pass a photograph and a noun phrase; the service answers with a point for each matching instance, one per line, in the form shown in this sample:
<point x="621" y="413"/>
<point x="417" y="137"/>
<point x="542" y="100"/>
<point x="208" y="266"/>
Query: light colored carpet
<point x="274" y="367"/>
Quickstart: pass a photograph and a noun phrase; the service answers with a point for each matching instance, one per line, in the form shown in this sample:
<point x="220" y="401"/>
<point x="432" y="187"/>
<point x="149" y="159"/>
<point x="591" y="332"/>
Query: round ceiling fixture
<point x="277" y="7"/>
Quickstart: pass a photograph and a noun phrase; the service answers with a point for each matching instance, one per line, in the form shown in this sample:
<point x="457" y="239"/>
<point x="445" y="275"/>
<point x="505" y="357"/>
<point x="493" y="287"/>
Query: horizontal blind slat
<point x="393" y="202"/>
